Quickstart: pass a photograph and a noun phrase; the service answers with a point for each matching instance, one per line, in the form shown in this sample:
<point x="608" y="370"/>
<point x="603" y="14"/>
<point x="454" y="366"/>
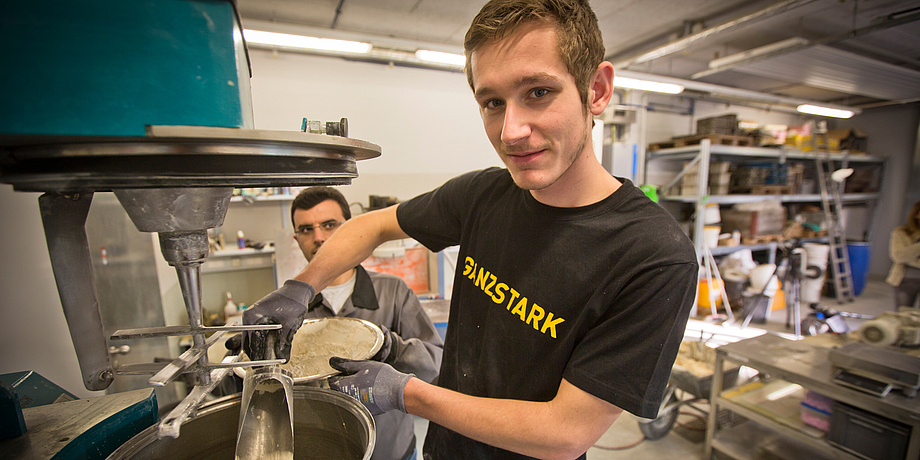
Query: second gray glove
<point x="376" y="385"/>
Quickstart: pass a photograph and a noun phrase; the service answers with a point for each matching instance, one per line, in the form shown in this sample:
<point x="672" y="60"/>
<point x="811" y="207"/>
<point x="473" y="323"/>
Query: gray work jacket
<point x="387" y="300"/>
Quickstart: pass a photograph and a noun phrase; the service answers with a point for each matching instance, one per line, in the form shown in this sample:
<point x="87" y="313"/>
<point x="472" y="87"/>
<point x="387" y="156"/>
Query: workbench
<point x="804" y="363"/>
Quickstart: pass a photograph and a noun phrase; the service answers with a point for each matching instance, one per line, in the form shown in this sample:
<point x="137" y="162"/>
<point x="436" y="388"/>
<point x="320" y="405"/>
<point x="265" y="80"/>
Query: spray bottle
<point x="230" y="307"/>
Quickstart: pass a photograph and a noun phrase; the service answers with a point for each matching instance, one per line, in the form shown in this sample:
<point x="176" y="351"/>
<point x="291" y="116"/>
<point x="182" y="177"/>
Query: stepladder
<point x="830" y="181"/>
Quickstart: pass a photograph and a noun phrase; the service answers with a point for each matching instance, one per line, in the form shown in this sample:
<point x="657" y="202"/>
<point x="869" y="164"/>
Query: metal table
<point x="806" y="364"/>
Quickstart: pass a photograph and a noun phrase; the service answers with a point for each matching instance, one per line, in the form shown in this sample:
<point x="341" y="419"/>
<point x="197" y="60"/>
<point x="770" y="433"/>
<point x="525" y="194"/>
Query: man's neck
<point x="586" y="182"/>
<point x="343" y="278"/>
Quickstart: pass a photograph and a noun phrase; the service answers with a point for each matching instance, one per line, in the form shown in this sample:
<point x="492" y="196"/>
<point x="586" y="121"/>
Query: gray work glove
<point x="287" y="306"/>
<point x="387" y="346"/>
<point x="376" y="385"/>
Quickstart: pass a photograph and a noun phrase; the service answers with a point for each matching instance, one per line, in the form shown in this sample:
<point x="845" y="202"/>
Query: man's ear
<point x="601" y="89"/>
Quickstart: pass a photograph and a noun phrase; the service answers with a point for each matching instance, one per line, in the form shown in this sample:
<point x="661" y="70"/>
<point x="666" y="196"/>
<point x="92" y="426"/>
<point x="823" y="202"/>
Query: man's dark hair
<point x="310" y="197"/>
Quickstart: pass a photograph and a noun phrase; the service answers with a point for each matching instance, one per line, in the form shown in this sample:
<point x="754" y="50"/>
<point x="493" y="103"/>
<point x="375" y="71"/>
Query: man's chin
<point x="529" y="180"/>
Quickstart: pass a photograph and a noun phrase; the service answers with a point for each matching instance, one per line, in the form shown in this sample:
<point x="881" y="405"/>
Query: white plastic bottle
<point x="230" y="307"/>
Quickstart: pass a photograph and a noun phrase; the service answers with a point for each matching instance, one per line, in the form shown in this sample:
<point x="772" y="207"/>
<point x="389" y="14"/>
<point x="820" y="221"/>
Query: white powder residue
<point x="312" y="347"/>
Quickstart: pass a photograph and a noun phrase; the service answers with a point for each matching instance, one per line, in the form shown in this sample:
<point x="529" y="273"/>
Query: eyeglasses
<point x="327" y="226"/>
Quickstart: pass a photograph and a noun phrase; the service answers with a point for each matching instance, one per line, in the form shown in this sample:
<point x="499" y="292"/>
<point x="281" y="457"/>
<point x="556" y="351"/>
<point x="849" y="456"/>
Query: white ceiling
<point x="857" y="52"/>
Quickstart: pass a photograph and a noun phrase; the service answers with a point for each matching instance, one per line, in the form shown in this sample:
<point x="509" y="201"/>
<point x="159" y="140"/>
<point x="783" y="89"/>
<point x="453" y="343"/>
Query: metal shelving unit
<point x="701" y="155"/>
<point x="239" y="259"/>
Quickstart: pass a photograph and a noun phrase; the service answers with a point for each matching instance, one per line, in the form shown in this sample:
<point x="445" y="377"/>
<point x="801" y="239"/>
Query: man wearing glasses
<point x="411" y="342"/>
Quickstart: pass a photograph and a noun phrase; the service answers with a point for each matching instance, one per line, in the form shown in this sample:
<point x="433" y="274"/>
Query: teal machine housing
<point x="148" y="99"/>
<point x="112" y="67"/>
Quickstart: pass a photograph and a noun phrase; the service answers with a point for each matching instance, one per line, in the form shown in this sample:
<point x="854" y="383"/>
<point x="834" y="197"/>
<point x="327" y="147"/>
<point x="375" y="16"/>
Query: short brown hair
<point x="577" y="33"/>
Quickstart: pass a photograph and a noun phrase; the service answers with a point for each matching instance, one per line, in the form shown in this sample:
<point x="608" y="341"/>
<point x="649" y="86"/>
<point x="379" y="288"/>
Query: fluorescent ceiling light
<point x="645" y="85"/>
<point x="259" y="37"/>
<point x="824" y="111"/>
<point x="439" y="57"/>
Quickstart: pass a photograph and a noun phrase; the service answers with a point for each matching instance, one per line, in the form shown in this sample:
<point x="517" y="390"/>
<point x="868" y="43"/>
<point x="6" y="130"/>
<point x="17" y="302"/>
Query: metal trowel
<point x="266" y="429"/>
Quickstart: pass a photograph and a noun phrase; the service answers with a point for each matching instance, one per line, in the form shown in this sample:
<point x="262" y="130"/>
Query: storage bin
<point x="858" y="254"/>
<point x="815" y="417"/>
<point x="867" y="435"/>
<point x="817" y="410"/>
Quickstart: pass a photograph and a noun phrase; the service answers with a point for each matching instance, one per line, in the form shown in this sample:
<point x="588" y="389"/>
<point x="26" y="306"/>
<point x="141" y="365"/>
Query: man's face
<point x="531" y="109"/>
<point x="326" y="212"/>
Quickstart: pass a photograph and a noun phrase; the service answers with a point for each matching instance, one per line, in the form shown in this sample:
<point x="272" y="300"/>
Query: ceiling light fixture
<point x="259" y="37"/>
<point x="824" y="111"/>
<point x="646" y="85"/>
<point x="438" y="57"/>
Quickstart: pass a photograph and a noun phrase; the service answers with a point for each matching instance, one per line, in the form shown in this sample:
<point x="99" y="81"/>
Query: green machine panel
<point x="111" y="67"/>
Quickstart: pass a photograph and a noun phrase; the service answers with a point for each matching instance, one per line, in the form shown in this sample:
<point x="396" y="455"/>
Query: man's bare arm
<point x="565" y="427"/>
<point x="350" y="245"/>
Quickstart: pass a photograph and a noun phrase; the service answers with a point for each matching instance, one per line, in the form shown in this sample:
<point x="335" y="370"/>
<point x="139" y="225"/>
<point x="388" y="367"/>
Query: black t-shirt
<point x="598" y="295"/>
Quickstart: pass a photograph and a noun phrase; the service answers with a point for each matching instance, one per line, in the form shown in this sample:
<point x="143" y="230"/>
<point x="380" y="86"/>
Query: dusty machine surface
<point x="152" y="102"/>
<point x="901" y="328"/>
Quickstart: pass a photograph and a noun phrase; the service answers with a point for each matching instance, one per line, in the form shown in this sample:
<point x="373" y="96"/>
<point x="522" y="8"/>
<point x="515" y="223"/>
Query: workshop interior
<point x="150" y="151"/>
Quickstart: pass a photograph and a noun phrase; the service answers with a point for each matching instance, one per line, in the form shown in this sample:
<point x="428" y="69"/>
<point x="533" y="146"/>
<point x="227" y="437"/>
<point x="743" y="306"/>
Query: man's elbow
<point x="579" y="440"/>
<point x="572" y="448"/>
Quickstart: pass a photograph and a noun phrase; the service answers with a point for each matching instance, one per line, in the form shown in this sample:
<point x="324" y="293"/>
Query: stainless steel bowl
<point x="327" y="424"/>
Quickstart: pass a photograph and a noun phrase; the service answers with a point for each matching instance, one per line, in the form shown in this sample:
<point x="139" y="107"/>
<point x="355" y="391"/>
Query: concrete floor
<point x="685" y="441"/>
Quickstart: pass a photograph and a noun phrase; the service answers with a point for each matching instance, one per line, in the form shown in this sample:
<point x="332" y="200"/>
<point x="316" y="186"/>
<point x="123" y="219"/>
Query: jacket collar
<point x="363" y="295"/>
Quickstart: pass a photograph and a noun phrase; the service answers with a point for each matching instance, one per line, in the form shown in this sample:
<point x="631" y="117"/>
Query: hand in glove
<point x="376" y="385"/>
<point x="287" y="306"/>
<point x="384" y="351"/>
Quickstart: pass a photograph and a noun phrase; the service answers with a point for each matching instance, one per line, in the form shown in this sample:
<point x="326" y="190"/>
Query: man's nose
<point x="320" y="235"/>
<point x="516" y="126"/>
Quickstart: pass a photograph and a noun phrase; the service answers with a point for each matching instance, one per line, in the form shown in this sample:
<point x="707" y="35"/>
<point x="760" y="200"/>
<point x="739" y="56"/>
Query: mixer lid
<point x="180" y="156"/>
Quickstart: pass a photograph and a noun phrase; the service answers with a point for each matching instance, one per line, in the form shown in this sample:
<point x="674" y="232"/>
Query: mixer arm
<point x="64" y="220"/>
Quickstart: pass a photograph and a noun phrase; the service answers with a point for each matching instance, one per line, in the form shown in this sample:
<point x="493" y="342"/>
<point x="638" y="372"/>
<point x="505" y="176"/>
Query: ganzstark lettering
<point x="502" y="294"/>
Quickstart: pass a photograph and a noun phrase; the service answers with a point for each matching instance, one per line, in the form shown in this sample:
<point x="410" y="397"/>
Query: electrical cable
<point x="624" y="447"/>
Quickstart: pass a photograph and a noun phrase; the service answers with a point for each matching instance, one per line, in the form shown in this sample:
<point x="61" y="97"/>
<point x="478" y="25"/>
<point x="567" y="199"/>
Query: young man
<point x="572" y="289"/>
<point x="412" y="344"/>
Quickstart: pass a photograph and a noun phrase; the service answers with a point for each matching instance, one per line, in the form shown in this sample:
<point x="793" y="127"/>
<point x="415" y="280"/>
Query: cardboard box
<point x="725" y="124"/>
<point x="719" y="177"/>
<point x="851" y="139"/>
<point x="753" y="224"/>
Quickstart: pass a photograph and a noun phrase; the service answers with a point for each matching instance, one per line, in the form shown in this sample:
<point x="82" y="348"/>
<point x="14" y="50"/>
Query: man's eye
<point x="492" y="103"/>
<point x="540" y="92"/>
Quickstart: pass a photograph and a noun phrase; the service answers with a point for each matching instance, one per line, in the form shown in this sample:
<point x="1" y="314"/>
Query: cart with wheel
<point x="691" y="374"/>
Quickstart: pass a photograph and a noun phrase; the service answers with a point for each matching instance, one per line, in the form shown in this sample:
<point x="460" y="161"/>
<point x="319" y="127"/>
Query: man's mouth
<point x="524" y="156"/>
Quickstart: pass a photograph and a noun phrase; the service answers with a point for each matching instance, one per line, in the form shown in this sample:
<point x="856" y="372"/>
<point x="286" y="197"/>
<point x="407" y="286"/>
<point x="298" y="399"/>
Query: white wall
<point x="425" y="121"/>
<point x="33" y="332"/>
<point x="893" y="132"/>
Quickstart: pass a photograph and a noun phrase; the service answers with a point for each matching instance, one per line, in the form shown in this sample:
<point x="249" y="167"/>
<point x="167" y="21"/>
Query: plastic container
<point x="703" y="294"/>
<point x="711" y="214"/>
<point x="816" y="256"/>
<point x="859" y="265"/>
<point x="817" y="410"/>
<point x="711" y="235"/>
<point x="240" y="240"/>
